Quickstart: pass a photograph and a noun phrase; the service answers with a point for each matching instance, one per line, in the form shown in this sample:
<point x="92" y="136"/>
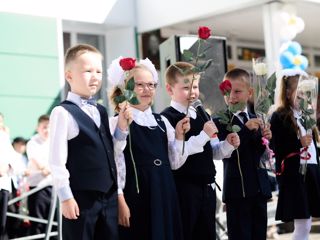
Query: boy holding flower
<point x="194" y="180"/>
<point x="246" y="188"/>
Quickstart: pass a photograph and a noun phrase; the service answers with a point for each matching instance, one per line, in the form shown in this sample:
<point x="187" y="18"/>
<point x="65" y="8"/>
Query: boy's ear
<point x="169" y="89"/>
<point x="250" y="92"/>
<point x="68" y="76"/>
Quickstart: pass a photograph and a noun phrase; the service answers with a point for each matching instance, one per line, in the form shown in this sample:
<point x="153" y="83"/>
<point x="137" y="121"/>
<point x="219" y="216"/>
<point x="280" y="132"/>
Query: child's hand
<point x="253" y="124"/>
<point x="306" y="140"/>
<point x="210" y="129"/>
<point x="233" y="139"/>
<point x="266" y="132"/>
<point x="182" y="127"/>
<point x="70" y="209"/>
<point x="124" y="212"/>
<point x="125" y="116"/>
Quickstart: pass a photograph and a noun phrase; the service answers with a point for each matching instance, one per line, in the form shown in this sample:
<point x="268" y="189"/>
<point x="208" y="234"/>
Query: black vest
<point x="199" y="168"/>
<point x="90" y="154"/>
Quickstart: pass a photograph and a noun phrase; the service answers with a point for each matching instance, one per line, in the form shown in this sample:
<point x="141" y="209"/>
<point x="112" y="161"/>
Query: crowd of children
<point x="142" y="175"/>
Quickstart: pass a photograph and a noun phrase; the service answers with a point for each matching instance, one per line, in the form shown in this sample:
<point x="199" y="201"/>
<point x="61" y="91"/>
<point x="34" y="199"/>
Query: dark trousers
<point x="4" y="196"/>
<point x="98" y="218"/>
<point x="39" y="207"/>
<point x="247" y="218"/>
<point x="198" y="210"/>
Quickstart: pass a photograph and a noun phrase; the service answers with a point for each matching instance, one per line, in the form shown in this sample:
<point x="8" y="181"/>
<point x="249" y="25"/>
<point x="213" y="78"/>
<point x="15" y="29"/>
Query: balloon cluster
<point x="291" y="58"/>
<point x="290" y="51"/>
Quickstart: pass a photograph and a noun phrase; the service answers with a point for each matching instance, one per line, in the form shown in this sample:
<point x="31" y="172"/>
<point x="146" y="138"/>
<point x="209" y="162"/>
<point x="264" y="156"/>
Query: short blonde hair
<point x="77" y="50"/>
<point x="178" y="69"/>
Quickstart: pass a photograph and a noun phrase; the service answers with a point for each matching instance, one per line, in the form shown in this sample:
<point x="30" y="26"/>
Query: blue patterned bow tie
<point x="90" y="101"/>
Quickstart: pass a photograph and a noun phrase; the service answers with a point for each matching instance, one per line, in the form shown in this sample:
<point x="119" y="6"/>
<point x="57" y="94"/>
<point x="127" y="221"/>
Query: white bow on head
<point x="116" y="75"/>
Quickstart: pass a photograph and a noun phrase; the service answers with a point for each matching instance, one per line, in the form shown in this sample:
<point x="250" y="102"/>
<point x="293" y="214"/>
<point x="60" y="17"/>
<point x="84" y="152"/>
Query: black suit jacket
<point x="246" y="173"/>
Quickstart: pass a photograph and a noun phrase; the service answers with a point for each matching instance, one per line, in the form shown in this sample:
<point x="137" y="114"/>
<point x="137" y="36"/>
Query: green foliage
<point x="127" y="94"/>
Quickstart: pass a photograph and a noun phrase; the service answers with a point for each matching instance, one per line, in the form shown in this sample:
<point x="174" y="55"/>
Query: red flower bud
<point x="204" y="32"/>
<point x="127" y="63"/>
<point x="225" y="87"/>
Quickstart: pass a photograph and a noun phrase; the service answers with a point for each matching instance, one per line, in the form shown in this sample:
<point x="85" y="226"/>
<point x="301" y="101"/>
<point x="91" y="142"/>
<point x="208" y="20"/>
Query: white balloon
<point x="287" y="33"/>
<point x="299" y="24"/>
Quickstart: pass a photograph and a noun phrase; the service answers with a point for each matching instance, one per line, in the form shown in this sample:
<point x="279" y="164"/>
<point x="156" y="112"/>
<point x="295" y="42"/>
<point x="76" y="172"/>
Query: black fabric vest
<point x="199" y="168"/>
<point x="90" y="154"/>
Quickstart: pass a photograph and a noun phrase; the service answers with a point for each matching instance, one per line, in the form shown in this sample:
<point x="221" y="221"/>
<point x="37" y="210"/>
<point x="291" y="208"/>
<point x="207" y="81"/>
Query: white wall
<point x="156" y="14"/>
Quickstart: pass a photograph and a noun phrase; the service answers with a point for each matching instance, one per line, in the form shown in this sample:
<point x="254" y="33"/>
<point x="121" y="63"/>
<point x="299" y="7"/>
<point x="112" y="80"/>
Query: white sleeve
<point x="119" y="146"/>
<point x="221" y="149"/>
<point x="58" y="151"/>
<point x="193" y="145"/>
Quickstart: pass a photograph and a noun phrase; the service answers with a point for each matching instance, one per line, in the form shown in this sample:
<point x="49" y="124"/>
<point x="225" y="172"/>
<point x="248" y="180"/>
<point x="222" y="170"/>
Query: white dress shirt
<point x="38" y="155"/>
<point x="63" y="127"/>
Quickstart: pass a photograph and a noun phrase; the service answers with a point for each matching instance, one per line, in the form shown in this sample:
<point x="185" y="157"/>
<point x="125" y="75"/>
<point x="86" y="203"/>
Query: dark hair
<point x="288" y="85"/>
<point x="19" y="140"/>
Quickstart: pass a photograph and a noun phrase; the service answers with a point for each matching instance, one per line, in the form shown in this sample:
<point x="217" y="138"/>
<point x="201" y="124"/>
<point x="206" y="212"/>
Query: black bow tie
<point x="90" y="101"/>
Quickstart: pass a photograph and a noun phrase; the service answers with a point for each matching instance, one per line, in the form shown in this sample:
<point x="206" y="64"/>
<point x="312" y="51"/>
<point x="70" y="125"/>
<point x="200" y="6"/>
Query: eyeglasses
<point x="142" y="86"/>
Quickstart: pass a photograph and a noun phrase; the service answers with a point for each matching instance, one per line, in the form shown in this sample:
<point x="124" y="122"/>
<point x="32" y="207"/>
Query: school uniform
<point x="246" y="187"/>
<point x="155" y="213"/>
<point x="299" y="195"/>
<point x="194" y="179"/>
<point x="83" y="137"/>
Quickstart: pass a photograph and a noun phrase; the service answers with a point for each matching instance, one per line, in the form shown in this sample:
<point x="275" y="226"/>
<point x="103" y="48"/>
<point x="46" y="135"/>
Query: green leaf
<point x="237" y="107"/>
<point x="236" y="128"/>
<point x="128" y="94"/>
<point x="119" y="99"/>
<point x="207" y="64"/>
<point x="196" y="69"/>
<point x="202" y="55"/>
<point x="309" y="111"/>
<point x="134" y="101"/>
<point x="187" y="55"/>
<point x="229" y="128"/>
<point x="186" y="80"/>
<point x="130" y="84"/>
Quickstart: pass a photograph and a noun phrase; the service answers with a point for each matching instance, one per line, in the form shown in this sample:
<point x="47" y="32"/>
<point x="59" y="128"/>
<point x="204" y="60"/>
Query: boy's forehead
<point x="186" y="79"/>
<point x="239" y="82"/>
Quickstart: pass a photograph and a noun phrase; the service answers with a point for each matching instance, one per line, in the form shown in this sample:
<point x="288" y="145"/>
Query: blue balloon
<point x="286" y="59"/>
<point x="295" y="48"/>
<point x="304" y="62"/>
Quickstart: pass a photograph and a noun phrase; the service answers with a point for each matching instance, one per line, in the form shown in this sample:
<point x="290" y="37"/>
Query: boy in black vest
<point x="246" y="187"/>
<point x="195" y="178"/>
<point x="82" y="151"/>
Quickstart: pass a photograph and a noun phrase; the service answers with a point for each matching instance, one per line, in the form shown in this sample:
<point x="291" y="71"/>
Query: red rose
<point x="204" y="32"/>
<point x="225" y="87"/>
<point x="127" y="63"/>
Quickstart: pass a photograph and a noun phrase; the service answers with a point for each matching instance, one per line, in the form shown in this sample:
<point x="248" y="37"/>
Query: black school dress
<point x="154" y="211"/>
<point x="299" y="195"/>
